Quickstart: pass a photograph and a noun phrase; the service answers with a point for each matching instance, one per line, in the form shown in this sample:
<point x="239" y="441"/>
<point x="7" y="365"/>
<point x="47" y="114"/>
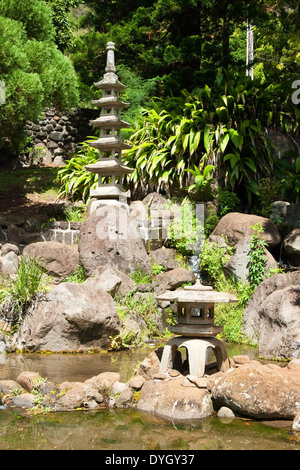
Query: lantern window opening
<point x="197" y="312"/>
<point x="181" y="312"/>
<point x="210" y="312"/>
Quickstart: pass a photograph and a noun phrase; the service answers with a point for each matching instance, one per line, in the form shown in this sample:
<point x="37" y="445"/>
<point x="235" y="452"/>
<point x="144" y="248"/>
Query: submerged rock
<point x="249" y="389"/>
<point x="169" y="398"/>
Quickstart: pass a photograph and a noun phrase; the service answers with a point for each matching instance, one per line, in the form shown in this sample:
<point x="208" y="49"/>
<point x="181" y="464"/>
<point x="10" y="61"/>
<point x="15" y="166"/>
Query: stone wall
<point x="55" y="136"/>
<point x="62" y="232"/>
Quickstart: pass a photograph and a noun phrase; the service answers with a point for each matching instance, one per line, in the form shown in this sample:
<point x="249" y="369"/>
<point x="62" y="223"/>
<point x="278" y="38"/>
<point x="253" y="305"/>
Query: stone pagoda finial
<point x="109" y="168"/>
<point x="110" y="65"/>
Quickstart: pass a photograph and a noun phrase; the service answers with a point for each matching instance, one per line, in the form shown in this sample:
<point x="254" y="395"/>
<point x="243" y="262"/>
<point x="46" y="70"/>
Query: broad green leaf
<point x="250" y="163"/>
<point x="224" y="142"/>
<point x="185" y="141"/>
<point x="206" y="137"/>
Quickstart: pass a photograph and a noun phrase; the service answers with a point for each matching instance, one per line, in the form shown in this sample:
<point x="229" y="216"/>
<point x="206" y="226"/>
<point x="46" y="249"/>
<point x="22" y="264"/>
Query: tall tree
<point x="35" y="73"/>
<point x="182" y="41"/>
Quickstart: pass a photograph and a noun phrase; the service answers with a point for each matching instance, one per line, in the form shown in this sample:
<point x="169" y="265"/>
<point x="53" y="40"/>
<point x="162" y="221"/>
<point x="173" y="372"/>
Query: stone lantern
<point x="195" y="325"/>
<point x="109" y="168"/>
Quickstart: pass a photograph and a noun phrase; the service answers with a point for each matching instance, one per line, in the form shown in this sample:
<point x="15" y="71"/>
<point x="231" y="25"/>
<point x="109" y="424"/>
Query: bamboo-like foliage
<point x="223" y="126"/>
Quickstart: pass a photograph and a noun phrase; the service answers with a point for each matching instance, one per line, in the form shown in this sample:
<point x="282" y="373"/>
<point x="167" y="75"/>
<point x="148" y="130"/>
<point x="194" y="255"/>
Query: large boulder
<point x="58" y="259"/>
<point x="171" y="399"/>
<point x="235" y="226"/>
<point x="110" y="237"/>
<point x="112" y="280"/>
<point x="238" y="264"/>
<point x="260" y="391"/>
<point x="272" y="316"/>
<point x="165" y="257"/>
<point x="291" y="245"/>
<point x="71" y="317"/>
<point x="171" y="280"/>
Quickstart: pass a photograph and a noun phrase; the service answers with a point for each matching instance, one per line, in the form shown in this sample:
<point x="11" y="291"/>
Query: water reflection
<point x="131" y="430"/>
<point x="59" y="368"/>
<point x="122" y="429"/>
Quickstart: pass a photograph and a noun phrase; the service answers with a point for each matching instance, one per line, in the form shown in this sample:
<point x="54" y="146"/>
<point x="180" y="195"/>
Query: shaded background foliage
<point x="188" y="56"/>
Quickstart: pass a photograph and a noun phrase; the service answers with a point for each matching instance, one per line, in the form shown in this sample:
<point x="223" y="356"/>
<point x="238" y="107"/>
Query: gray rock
<point x="9" y="263"/>
<point x="279" y="334"/>
<point x="291" y="245"/>
<point x="259" y="391"/>
<point x="225" y="413"/>
<point x="25" y="400"/>
<point x="113" y="281"/>
<point x="168" y="398"/>
<point x="9" y="386"/>
<point x="125" y="399"/>
<point x="71" y="317"/>
<point x="58" y="259"/>
<point x="164" y="257"/>
<point x="56" y="136"/>
<point x="108" y="237"/>
<point x="173" y="279"/>
<point x="235" y="226"/>
<point x="238" y="264"/>
<point x="274" y="308"/>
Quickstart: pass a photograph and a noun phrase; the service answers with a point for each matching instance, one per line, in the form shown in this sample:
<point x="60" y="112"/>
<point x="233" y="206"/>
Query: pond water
<point x="116" y="430"/>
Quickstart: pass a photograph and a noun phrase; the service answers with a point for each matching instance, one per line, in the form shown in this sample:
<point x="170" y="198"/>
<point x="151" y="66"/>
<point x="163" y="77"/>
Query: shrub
<point x="36" y="74"/>
<point x="16" y="292"/>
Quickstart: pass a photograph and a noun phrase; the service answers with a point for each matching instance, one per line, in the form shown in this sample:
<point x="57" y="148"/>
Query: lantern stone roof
<point x="197" y="293"/>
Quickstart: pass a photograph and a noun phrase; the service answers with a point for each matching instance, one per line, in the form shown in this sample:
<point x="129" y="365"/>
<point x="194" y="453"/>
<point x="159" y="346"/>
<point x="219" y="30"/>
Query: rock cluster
<point x="247" y="389"/>
<point x="55" y="136"/>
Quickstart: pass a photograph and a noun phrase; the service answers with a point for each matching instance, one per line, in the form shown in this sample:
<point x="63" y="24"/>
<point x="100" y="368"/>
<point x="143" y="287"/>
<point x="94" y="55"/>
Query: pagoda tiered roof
<point x="110" y="82"/>
<point x="110" y="102"/>
<point x="108" y="121"/>
<point x="107" y="144"/>
<point x="109" y="167"/>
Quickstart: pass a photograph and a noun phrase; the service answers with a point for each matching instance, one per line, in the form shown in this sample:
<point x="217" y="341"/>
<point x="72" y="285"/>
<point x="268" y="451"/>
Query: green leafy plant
<point x="229" y="316"/>
<point x="186" y="231"/>
<point x="157" y="269"/>
<point x="223" y="123"/>
<point x="290" y="185"/>
<point x="257" y="256"/>
<point x="75" y="214"/>
<point x="16" y="292"/>
<point x="203" y="182"/>
<point x="144" y="311"/>
<point x="268" y="192"/>
<point x="77" y="276"/>
<point x="75" y="180"/>
<point x="228" y="201"/>
<point x="140" y="277"/>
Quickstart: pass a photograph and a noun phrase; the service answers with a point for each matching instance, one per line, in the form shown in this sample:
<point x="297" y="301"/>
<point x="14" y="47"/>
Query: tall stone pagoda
<point x="109" y="168"/>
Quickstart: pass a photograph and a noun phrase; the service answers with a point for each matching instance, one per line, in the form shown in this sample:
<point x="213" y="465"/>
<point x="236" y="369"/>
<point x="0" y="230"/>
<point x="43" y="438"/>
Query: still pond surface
<point x="109" y="430"/>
